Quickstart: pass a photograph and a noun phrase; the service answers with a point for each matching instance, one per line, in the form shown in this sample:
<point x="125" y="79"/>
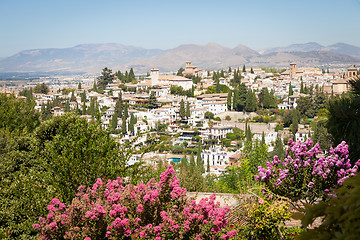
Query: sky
<point x="165" y="24"/>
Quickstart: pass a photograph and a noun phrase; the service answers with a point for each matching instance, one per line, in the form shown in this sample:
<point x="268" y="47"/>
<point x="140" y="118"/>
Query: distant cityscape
<point x="209" y="99"/>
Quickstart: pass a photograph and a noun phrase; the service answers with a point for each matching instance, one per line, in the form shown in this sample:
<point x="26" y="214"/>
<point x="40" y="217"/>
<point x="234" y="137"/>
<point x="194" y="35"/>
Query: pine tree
<point x="106" y="78"/>
<point x="302" y="87"/>
<point x="252" y="71"/>
<point x="187" y="112"/>
<point x="229" y="100"/>
<point x="244" y="69"/>
<point x="208" y="166"/>
<point x="79" y="85"/>
<point x="182" y="109"/>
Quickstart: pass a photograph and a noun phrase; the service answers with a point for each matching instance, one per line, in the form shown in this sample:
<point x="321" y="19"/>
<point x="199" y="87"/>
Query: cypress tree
<point x="199" y="162"/>
<point x="208" y="166"/>
<point x="262" y="139"/>
<point x="123" y="125"/>
<point x="79" y="85"/>
<point x="244" y="68"/>
<point x="114" y="121"/>
<point x="192" y="164"/>
<point x="126" y="111"/>
<point x="229" y="100"/>
<point x="291" y="92"/>
<point x="83" y="97"/>
<point x="72" y="98"/>
<point x="187" y="112"/>
<point x="182" y="109"/>
<point x="67" y="107"/>
<point x="83" y="109"/>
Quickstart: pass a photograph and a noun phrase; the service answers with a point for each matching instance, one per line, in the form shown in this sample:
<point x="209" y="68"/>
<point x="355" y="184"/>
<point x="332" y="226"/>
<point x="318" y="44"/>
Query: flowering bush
<point x="306" y="173"/>
<point x="156" y="210"/>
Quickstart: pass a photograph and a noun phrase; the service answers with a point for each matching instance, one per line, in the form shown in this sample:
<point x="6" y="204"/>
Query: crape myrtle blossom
<point x="306" y="173"/>
<point x="155" y="210"/>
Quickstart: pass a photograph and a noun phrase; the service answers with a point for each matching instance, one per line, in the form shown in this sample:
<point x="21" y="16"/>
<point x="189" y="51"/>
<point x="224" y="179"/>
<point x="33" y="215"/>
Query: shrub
<point x="306" y="173"/>
<point x="264" y="219"/>
<point x="156" y="210"/>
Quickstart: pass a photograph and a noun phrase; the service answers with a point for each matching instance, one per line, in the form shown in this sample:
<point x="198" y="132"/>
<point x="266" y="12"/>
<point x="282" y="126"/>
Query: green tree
<point x="16" y="114"/>
<point x="291" y="92"/>
<point x="208" y="115"/>
<point x="344" y="119"/>
<point x="180" y="72"/>
<point x="79" y="85"/>
<point x="187" y="111"/>
<point x="67" y="107"/>
<point x="278" y="148"/>
<point x="83" y="109"/>
<point x="72" y="98"/>
<point x="294" y="125"/>
<point x="114" y="122"/>
<point x="252" y="71"/>
<point x="132" y="123"/>
<point x="105" y="78"/>
<point x="250" y="102"/>
<point x="199" y="161"/>
<point x="41" y="88"/>
<point x="153" y="103"/>
<point x="83" y="97"/>
<point x="340" y="214"/>
<point x="244" y="68"/>
<point x="119" y="106"/>
<point x="229" y="100"/>
<point x="182" y="112"/>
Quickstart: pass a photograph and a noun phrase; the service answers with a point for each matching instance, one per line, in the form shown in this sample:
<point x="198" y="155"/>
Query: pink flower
<point x="261" y="201"/>
<point x="36" y="227"/>
<point x="140" y="208"/>
<point x="142" y="234"/>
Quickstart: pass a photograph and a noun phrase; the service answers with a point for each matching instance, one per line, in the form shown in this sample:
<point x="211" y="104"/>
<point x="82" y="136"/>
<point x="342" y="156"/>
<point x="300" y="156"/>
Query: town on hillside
<point x="215" y="110"/>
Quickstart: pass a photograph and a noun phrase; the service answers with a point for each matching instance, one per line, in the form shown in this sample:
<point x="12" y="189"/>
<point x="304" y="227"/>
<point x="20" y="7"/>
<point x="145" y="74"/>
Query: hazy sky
<point x="164" y="24"/>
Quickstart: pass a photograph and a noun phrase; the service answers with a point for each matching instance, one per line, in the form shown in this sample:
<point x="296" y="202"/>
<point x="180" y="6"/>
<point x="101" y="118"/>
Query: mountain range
<point x="91" y="58"/>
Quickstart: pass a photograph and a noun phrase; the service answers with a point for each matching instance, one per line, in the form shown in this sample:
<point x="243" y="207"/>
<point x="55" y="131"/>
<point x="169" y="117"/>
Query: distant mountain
<point x="209" y="56"/>
<point x="305" y="47"/>
<point x="343" y="48"/>
<point x="92" y="58"/>
<point x="339" y="48"/>
<point x="312" y="58"/>
<point x="85" y="57"/>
